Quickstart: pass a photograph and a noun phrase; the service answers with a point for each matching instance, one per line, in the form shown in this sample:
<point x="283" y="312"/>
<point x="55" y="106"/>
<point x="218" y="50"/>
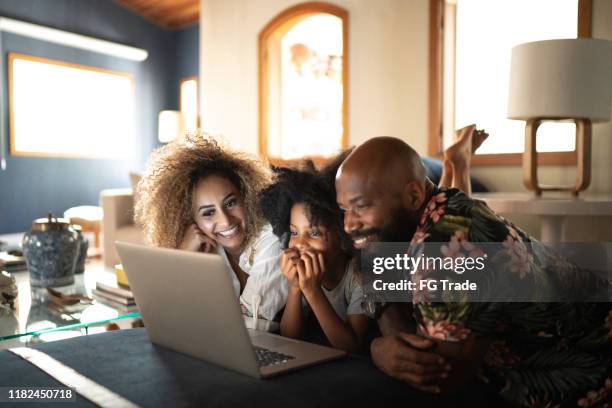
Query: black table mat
<point x="127" y="363"/>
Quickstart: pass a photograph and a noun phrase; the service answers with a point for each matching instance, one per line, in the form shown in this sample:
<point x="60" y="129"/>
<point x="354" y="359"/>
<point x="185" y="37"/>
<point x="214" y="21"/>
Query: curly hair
<point x="164" y="205"/>
<point x="303" y="186"/>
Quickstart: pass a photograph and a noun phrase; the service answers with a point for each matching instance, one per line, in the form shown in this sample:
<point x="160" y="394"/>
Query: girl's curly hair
<point x="164" y="205"/>
<point x="306" y="186"/>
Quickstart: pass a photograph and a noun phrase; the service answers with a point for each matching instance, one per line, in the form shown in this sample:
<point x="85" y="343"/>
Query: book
<point x="121" y="292"/>
<point x="114" y="298"/>
<point x="12" y="261"/>
<point x="117" y="306"/>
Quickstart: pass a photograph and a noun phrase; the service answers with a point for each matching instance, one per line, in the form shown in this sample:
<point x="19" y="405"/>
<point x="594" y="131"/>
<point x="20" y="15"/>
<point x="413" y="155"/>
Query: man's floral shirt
<point x="541" y="354"/>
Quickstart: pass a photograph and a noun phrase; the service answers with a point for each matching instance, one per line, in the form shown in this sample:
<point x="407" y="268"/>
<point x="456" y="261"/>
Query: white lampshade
<point x="562" y="79"/>
<point x="171" y="125"/>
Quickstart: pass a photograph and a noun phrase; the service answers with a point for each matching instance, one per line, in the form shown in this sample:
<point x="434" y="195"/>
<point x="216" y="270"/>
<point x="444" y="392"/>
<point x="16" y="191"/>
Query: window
<point x="69" y="110"/>
<point x="471" y="47"/>
<point x="303" y="72"/>
<point x="189" y="103"/>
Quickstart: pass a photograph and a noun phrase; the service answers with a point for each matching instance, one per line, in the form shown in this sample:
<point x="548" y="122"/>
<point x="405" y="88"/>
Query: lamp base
<point x="583" y="150"/>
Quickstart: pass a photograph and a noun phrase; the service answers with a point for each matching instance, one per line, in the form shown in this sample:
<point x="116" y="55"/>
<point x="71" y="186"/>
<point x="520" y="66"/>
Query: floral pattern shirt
<point x="541" y="354"/>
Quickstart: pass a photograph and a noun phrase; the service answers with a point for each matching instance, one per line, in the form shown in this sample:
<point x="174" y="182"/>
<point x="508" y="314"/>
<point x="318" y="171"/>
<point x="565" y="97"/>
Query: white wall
<point x="388" y="51"/>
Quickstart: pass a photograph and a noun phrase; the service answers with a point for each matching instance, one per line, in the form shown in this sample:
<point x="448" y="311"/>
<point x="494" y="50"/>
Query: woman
<point x="199" y="196"/>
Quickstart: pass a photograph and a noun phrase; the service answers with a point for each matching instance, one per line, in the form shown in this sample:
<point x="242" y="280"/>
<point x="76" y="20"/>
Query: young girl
<point x="317" y="264"/>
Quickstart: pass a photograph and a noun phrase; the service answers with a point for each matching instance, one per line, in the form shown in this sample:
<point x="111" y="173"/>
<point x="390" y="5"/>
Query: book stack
<point x="118" y="298"/>
<point x="12" y="261"/>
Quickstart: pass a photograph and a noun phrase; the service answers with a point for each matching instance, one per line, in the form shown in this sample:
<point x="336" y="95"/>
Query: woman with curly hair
<point x="301" y="207"/>
<point x="199" y="196"/>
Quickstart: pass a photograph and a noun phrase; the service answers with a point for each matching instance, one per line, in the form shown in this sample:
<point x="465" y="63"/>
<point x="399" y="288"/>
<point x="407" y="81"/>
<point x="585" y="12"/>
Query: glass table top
<point x="36" y="318"/>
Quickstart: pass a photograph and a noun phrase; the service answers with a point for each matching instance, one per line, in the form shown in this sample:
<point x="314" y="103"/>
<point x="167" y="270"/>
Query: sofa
<point x="118" y="223"/>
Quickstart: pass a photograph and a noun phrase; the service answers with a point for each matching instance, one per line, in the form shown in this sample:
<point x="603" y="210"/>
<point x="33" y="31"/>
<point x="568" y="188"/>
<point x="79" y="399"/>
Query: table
<point x="127" y="363"/>
<point x="36" y="319"/>
<point x="553" y="209"/>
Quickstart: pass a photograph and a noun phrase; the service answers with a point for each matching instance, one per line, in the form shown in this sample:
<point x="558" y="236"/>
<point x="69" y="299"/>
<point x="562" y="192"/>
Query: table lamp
<point x="171" y="125"/>
<point x="560" y="80"/>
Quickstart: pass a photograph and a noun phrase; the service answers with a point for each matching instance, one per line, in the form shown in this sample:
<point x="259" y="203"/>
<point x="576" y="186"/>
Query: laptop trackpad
<point x="269" y="341"/>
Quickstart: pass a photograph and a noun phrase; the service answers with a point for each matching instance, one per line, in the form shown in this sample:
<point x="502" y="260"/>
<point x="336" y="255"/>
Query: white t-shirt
<point x="346" y="297"/>
<point x="266" y="284"/>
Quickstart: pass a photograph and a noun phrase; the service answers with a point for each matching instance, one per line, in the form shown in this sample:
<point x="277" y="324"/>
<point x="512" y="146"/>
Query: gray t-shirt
<point x="346" y="297"/>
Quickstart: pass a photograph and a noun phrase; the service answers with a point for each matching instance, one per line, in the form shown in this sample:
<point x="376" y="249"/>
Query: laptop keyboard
<point x="267" y="357"/>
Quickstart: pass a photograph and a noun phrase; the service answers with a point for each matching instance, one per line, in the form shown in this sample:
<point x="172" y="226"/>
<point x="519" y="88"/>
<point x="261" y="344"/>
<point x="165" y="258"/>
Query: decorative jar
<point x="51" y="249"/>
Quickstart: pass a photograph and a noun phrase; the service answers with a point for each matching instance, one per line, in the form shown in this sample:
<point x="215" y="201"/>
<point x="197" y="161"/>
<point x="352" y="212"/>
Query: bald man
<point x="381" y="186"/>
<point x="386" y="197"/>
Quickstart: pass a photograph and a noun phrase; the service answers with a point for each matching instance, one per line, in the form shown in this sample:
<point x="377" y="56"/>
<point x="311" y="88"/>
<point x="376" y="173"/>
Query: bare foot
<point x="478" y="138"/>
<point x="458" y="157"/>
<point x="460" y="152"/>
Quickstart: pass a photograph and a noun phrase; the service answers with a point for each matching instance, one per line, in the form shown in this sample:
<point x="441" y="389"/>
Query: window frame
<point x="435" y="89"/>
<point x="279" y="25"/>
<point x="13" y="150"/>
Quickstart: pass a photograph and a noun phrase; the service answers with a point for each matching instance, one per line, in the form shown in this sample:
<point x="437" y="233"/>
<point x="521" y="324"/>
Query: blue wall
<point x="187" y="43"/>
<point x="30" y="187"/>
<point x="188" y="49"/>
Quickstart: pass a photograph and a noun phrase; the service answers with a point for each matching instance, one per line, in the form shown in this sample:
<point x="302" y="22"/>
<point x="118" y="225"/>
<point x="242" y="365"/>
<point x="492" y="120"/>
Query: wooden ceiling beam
<point x="139" y="4"/>
<point x="166" y="6"/>
<point x="178" y="24"/>
<point x="171" y="9"/>
<point x="185" y="16"/>
<point x="186" y="22"/>
<point x="169" y="14"/>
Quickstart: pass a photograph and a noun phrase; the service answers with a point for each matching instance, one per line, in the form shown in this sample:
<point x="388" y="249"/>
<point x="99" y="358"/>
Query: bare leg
<point x="460" y="156"/>
<point x="446" y="179"/>
<point x="457" y="158"/>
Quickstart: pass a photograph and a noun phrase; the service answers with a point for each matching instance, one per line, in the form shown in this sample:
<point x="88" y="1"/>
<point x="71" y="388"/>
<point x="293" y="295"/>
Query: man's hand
<point x="195" y="240"/>
<point x="401" y="357"/>
<point x="310" y="268"/>
<point x="289" y="269"/>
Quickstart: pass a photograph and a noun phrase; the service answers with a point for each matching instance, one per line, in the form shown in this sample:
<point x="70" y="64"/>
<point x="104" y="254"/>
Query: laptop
<point x="188" y="304"/>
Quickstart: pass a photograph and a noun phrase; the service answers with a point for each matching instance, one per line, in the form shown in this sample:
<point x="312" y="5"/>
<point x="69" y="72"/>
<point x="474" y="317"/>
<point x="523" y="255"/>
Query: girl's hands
<point x="310" y="270"/>
<point x="288" y="267"/>
<point x="195" y="240"/>
<point x="304" y="272"/>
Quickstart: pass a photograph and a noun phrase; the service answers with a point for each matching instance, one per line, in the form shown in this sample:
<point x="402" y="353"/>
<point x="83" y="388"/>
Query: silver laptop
<point x="188" y="304"/>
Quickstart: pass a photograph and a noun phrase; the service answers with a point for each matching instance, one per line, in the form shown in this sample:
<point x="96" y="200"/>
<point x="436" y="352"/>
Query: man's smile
<point x="361" y="239"/>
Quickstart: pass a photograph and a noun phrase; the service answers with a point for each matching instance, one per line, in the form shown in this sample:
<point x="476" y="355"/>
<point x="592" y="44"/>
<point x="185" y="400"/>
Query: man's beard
<point x="400" y="228"/>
